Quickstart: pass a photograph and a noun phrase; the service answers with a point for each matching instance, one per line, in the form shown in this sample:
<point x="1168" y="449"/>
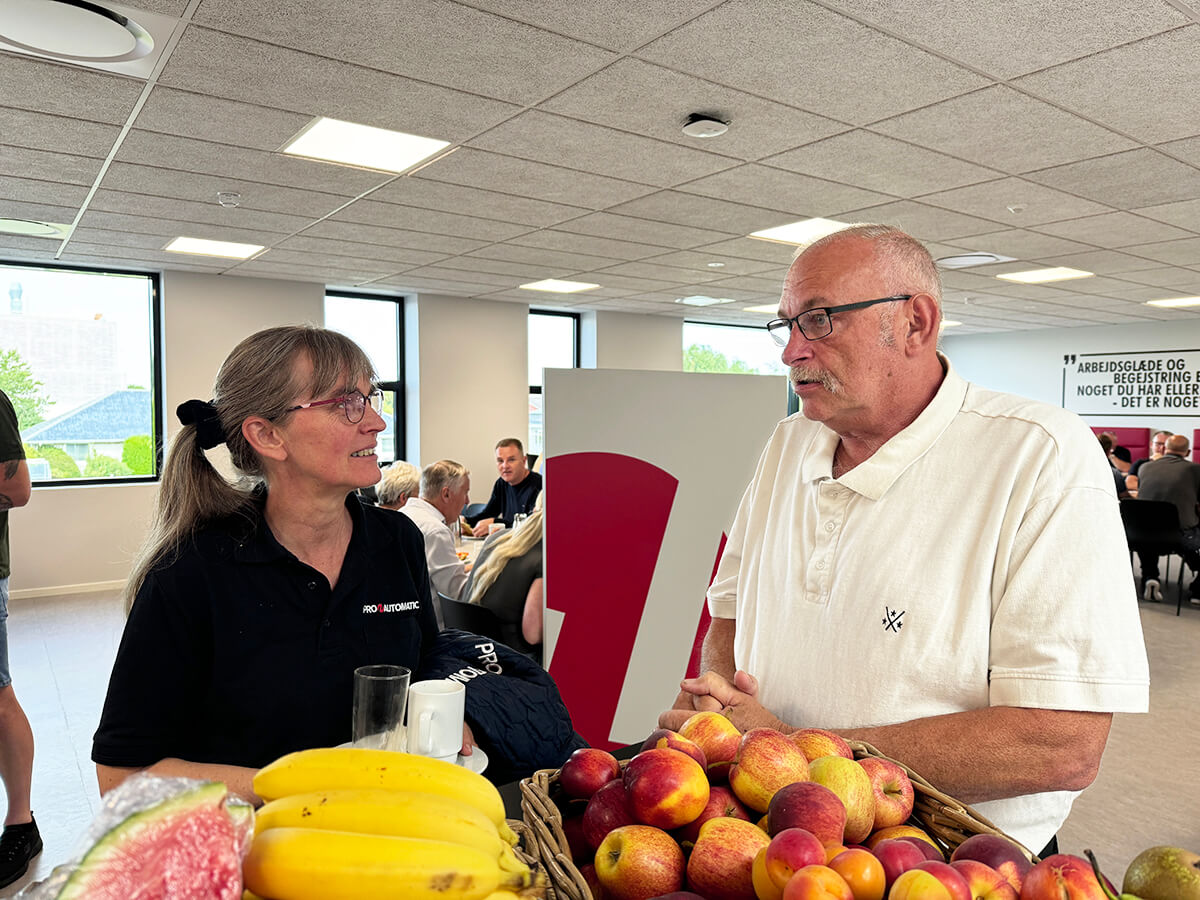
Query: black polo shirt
<point x="236" y="652"/>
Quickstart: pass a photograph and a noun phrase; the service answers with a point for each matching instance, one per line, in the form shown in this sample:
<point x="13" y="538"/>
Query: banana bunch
<point x="354" y="823"/>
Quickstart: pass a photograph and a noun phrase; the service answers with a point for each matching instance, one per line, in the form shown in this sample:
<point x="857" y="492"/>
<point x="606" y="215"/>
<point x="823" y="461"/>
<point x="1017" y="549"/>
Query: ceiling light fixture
<point x="203" y="247"/>
<point x="1171" y="302"/>
<point x="715" y="265"/>
<point x="362" y="146"/>
<point x="964" y="260"/>
<point x="1040" y="276"/>
<point x="701" y="300"/>
<point x="950" y="323"/>
<point x="704" y="125"/>
<point x="802" y="233"/>
<point x="30" y="228"/>
<point x="771" y="309"/>
<point x="555" y="286"/>
<point x="74" y="30"/>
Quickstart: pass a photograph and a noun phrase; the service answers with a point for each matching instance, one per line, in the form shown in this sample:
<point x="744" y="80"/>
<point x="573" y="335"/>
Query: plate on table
<point x="476" y="762"/>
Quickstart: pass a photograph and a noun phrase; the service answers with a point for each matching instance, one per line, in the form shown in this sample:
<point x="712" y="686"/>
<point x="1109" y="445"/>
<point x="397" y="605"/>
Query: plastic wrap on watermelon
<point x="157" y="839"/>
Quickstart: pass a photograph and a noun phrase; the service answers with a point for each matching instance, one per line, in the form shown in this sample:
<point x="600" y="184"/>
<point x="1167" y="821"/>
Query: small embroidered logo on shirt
<point x="892" y="619"/>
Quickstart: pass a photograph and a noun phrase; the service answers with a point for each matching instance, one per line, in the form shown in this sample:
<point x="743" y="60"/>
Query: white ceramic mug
<point x="435" y="718"/>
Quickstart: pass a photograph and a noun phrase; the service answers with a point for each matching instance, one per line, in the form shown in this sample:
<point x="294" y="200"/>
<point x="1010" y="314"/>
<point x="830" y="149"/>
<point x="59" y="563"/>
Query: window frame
<point x="575" y="328"/>
<point x="157" y="398"/>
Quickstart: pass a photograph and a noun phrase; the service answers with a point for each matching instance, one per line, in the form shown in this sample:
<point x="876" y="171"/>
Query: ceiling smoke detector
<point x="703" y="125"/>
<point x="229" y="199"/>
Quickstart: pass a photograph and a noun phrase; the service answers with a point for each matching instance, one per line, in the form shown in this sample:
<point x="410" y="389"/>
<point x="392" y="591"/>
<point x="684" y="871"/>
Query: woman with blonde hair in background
<point x="507" y="579"/>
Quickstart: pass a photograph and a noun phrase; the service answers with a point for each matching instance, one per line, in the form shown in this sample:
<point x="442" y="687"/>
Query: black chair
<point x="1152" y="526"/>
<point x="472" y="511"/>
<point x="482" y="621"/>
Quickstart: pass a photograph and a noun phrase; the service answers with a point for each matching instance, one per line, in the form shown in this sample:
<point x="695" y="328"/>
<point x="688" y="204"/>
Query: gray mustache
<point x="803" y="373"/>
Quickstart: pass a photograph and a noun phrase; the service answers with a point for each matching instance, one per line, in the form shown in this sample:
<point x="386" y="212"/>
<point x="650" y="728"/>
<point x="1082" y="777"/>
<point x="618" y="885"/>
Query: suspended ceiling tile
<point x="44" y="192"/>
<point x="615" y="24"/>
<point x="1102" y="262"/>
<point x="1015" y="202"/>
<point x="1184" y="213"/>
<point x="1133" y="178"/>
<point x="769" y="188"/>
<point x="216" y="119"/>
<point x="695" y="211"/>
<point x="698" y="261"/>
<point x="568" y="262"/>
<point x="190" y="211"/>
<point x="928" y="223"/>
<point x="44" y="165"/>
<point x="389" y="215"/>
<point x="658" y="234"/>
<point x="553" y="239"/>
<point x="39" y="131"/>
<point x="392" y="237"/>
<point x="455" y="198"/>
<point x="399" y="256"/>
<point x="62" y="90"/>
<point x="1114" y="229"/>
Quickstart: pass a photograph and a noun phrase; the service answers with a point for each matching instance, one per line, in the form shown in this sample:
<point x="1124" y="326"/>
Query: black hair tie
<point x="203" y="415"/>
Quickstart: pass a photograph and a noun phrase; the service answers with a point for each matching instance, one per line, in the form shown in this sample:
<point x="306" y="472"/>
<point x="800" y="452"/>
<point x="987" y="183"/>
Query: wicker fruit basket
<point x="948" y="821"/>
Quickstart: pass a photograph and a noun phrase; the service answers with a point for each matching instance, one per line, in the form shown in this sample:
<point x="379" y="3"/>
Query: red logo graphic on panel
<point x="604" y="527"/>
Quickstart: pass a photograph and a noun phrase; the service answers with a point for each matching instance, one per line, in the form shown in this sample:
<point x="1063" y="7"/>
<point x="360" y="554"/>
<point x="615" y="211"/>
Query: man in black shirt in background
<point x="1175" y="479"/>
<point x="515" y="491"/>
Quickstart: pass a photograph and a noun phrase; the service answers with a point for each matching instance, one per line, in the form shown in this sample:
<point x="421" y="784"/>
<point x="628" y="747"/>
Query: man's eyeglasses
<point x="817" y="323"/>
<point x="353" y="404"/>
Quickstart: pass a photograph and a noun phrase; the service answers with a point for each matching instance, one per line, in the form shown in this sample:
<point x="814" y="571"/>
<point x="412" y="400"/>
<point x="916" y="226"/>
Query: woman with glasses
<point x="252" y="602"/>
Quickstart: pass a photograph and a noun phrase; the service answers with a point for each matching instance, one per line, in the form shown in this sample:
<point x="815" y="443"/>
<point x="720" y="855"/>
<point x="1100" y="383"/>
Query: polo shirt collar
<point x="257" y="544"/>
<point x="873" y="477"/>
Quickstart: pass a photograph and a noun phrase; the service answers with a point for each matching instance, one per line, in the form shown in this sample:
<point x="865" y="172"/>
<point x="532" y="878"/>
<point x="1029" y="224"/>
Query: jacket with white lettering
<point x="513" y="705"/>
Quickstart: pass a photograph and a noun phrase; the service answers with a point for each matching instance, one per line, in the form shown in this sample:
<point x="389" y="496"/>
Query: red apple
<point x="916" y="884"/>
<point x="808" y="805"/>
<point x="666" y="788"/>
<point x="586" y="771"/>
<point x="954" y="881"/>
<point x="664" y="737"/>
<point x="721" y="802"/>
<point x="998" y="852"/>
<point x="573" y="830"/>
<point x="850" y="782"/>
<point x="766" y="761"/>
<point x="984" y="881"/>
<point x="1061" y="877"/>
<point x="588" y="871"/>
<point x="895" y="832"/>
<point x="679" y="895"/>
<point x="931" y="852"/>
<point x="608" y="809"/>
<point x="721" y="864"/>
<point x="717" y="737"/>
<point x="817" y="883"/>
<point x="893" y="791"/>
<point x="897" y="857"/>
<point x="817" y="742"/>
<point x="636" y="862"/>
<point x="790" y="851"/>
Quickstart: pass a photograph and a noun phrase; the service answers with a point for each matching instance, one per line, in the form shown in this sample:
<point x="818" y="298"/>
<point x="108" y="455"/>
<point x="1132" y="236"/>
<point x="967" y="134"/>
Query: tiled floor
<point x="1147" y="792"/>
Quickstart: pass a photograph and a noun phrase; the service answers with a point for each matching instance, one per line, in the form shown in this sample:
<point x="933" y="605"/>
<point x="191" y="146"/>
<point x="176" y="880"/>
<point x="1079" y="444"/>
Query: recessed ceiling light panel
<point x="30" y="228"/>
<point x="555" y="286"/>
<point x="364" y="146"/>
<point x="1040" y="276"/>
<point x="701" y="300"/>
<point x="771" y="309"/>
<point x="1171" y="302"/>
<point x="965" y="260"/>
<point x="73" y="30"/>
<point x="801" y="233"/>
<point x="950" y="323"/>
<point x="203" y="247"/>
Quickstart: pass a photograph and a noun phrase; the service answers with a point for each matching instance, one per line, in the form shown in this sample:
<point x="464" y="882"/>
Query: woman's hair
<point x="399" y="479"/>
<point x="507" y="545"/>
<point x="258" y="378"/>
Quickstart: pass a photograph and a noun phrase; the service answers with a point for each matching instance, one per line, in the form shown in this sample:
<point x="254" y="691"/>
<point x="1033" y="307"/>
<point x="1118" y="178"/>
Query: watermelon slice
<point x="187" y="846"/>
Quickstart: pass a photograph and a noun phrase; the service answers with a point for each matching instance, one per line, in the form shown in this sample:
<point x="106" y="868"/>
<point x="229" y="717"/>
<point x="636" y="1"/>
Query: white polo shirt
<point x="447" y="574"/>
<point x="976" y="559"/>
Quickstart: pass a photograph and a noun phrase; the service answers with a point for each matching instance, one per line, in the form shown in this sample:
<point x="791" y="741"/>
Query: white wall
<point x="612" y="340"/>
<point x="1030" y="363"/>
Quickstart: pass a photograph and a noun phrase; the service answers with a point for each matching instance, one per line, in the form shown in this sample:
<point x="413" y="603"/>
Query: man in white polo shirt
<point x="919" y="563"/>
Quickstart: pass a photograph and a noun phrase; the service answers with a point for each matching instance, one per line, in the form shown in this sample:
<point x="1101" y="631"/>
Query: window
<point x="737" y="349"/>
<point x="80" y="360"/>
<point x="553" y="344"/>
<point x="375" y="324"/>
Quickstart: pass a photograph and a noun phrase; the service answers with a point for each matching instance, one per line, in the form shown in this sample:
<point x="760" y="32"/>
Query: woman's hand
<point x="468" y="740"/>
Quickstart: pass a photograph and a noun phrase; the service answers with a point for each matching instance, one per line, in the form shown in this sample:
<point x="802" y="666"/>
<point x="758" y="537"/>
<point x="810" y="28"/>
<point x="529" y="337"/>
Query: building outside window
<point x="553" y="344"/>
<point x="80" y="360"/>
<point x="734" y="349"/>
<point x="374" y="323"/>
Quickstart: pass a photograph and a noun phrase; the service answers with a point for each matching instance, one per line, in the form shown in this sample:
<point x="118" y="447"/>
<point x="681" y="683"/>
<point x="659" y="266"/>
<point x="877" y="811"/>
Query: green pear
<point x="1164" y="873"/>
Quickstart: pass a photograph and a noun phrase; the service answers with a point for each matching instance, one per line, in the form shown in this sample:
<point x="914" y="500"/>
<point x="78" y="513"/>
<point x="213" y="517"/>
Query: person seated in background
<point x="445" y="486"/>
<point x="507" y="579"/>
<point x="1106" y="444"/>
<point x="1118" y="457"/>
<point x="1174" y="479"/>
<point x="399" y="484"/>
<point x="1158" y="446"/>
<point x="515" y="491"/>
<point x="251" y="604"/>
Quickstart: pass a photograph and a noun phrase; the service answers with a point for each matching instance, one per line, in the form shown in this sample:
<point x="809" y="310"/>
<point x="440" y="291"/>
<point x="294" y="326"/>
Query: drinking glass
<point x="519" y="520"/>
<point x="380" y="694"/>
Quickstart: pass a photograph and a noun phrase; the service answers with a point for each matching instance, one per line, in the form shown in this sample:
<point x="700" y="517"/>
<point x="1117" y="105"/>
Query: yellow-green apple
<point x="850" y="782"/>
<point x="954" y="881"/>
<point x="902" y="831"/>
<point x="893" y="791"/>
<point x="1164" y="872"/>
<point x="897" y="857"/>
<point x="666" y="788"/>
<point x="721" y="802"/>
<point x="721" y="863"/>
<point x="766" y="761"/>
<point x="808" y="805"/>
<point x="817" y="742"/>
<point x="586" y="771"/>
<point x="636" y="862"/>
<point x="862" y="871"/>
<point x="984" y="881"/>
<point x="817" y="883"/>
<point x="717" y="737"/>
<point x="1061" y="877"/>
<point x="664" y="737"/>
<point x="916" y="884"/>
<point x="790" y="851"/>
<point x="998" y="852"/>
<point x="765" y="887"/>
<point x="608" y="809"/>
